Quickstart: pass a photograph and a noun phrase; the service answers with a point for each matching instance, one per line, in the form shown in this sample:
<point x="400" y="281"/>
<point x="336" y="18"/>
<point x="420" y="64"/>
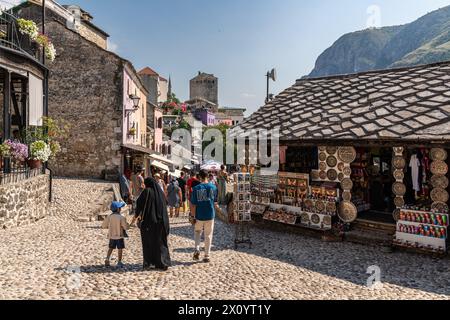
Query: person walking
<point x="174" y="197"/>
<point x="153" y="221"/>
<point x="117" y="227"/>
<point x="203" y="199"/>
<point x="136" y="185"/>
<point x="182" y="184"/>
<point x="222" y="180"/>
<point x="161" y="183"/>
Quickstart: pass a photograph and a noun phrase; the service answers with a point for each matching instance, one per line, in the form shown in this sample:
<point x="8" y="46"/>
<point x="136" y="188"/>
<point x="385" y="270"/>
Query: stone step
<point x="367" y="225"/>
<point x="365" y="237"/>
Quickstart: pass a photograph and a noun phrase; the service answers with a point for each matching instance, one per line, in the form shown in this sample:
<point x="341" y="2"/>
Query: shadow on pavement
<point x="342" y="260"/>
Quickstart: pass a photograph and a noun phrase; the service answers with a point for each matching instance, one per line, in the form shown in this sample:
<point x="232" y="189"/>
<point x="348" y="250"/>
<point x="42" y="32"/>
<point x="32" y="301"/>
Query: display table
<point x="422" y="230"/>
<point x="296" y="216"/>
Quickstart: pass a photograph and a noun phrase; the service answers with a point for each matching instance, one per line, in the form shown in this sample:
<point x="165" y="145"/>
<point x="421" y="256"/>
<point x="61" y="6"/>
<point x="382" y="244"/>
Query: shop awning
<point x="159" y="165"/>
<point x="137" y="148"/>
<point x="161" y="159"/>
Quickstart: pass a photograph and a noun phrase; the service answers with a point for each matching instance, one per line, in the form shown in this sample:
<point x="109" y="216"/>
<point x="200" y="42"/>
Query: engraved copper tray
<point x="331" y="207"/>
<point x="439" y="181"/>
<point x="320" y="206"/>
<point x="438" y="154"/>
<point x="399" y="162"/>
<point x="322" y="156"/>
<point x="399" y="202"/>
<point x="441" y="207"/>
<point x="439" y="168"/>
<point x="332" y="161"/>
<point x="341" y="166"/>
<point x="341" y="177"/>
<point x="399" y="189"/>
<point x="347" y="171"/>
<point x="323" y="166"/>
<point x="323" y="175"/>
<point x="347" y="184"/>
<point x="347" y="212"/>
<point x="347" y="154"/>
<point x="327" y="220"/>
<point x="331" y="150"/>
<point x="304" y="218"/>
<point x="439" y="195"/>
<point x="315" y="219"/>
<point x="332" y="175"/>
<point x="347" y="196"/>
<point x="399" y="175"/>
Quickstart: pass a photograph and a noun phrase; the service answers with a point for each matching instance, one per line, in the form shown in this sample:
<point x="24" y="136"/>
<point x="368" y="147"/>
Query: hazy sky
<point x="238" y="40"/>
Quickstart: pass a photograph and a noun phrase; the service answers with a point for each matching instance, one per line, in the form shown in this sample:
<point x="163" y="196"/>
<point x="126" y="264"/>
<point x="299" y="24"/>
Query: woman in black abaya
<point x="151" y="211"/>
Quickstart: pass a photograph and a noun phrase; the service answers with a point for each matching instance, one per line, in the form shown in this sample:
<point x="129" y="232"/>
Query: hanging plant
<point x="28" y="27"/>
<point x="47" y="45"/>
<point x="5" y="150"/>
<point x="41" y="151"/>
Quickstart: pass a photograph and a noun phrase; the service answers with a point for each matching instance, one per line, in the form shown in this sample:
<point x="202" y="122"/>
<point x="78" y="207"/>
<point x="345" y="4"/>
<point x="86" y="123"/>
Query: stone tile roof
<point x="408" y="103"/>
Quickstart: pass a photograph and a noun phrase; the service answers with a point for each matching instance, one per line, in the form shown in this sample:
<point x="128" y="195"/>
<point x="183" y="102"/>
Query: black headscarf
<point x="153" y="202"/>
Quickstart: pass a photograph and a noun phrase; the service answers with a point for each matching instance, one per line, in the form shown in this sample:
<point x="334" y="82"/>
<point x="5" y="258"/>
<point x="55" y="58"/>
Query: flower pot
<point x="34" y="164"/>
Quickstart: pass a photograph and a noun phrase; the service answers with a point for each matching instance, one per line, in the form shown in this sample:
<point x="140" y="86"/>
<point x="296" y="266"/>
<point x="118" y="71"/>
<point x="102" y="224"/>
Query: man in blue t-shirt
<point x="203" y="199"/>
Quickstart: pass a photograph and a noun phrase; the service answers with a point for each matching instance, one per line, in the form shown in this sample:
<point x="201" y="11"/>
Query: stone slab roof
<point x="408" y="103"/>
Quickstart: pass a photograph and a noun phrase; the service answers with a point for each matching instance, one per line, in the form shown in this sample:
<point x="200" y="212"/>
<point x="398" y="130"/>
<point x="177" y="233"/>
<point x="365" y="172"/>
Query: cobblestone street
<point x="36" y="260"/>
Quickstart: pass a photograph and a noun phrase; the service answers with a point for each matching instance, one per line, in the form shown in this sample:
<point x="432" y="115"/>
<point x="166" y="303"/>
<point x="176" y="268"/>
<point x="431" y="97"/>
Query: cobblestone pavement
<point x="36" y="260"/>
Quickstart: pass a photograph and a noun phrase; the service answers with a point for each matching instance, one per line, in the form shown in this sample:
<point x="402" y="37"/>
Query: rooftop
<point x="407" y="103"/>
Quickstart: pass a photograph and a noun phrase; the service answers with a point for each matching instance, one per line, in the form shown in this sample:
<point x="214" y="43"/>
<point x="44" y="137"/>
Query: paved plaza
<point x="62" y="258"/>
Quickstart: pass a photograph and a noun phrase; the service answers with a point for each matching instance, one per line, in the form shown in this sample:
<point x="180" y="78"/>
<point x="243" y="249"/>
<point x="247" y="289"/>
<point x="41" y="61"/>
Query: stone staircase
<point x="370" y="232"/>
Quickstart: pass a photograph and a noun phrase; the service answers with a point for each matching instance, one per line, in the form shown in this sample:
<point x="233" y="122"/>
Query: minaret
<point x="169" y="92"/>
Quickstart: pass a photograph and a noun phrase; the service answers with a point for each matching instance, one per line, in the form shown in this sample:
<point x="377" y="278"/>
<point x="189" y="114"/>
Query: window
<point x="36" y="101"/>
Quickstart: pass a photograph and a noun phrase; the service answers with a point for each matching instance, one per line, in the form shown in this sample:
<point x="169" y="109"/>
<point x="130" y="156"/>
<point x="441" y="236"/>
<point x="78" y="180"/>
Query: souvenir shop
<point x="326" y="186"/>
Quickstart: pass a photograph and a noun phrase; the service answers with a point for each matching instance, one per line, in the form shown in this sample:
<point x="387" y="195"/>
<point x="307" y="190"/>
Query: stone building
<point x="88" y="90"/>
<point x="205" y="86"/>
<point x="236" y="115"/>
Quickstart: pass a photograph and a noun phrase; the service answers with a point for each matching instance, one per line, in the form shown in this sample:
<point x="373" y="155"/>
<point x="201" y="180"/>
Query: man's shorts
<point x="117" y="244"/>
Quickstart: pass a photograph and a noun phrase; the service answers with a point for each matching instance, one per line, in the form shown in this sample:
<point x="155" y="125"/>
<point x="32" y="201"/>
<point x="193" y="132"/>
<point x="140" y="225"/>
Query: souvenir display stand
<point x="423" y="230"/>
<point x="242" y="209"/>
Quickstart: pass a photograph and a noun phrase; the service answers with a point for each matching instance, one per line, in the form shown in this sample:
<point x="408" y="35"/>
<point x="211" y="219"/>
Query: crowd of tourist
<point x="154" y="200"/>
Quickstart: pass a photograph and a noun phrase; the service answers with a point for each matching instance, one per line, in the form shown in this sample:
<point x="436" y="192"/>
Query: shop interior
<point x="373" y="178"/>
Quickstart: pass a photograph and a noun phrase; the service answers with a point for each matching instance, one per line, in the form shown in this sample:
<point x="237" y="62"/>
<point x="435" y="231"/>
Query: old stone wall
<point x="24" y="202"/>
<point x="93" y="36"/>
<point x="85" y="91"/>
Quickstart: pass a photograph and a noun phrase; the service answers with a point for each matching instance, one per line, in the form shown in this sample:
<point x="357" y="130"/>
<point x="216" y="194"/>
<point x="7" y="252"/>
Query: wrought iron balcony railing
<point x="11" y="38"/>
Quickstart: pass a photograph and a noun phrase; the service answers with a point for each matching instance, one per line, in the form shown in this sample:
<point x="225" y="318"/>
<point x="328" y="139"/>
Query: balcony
<point x="12" y="40"/>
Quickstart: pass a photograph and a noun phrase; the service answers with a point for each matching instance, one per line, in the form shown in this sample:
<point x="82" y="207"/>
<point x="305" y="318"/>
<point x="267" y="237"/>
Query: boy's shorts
<point x="117" y="244"/>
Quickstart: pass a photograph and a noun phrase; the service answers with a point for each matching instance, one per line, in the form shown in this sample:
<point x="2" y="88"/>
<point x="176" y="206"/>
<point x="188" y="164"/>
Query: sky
<point x="239" y="40"/>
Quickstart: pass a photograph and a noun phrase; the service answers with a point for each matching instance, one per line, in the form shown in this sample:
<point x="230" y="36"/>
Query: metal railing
<point x="19" y="174"/>
<point x="11" y="38"/>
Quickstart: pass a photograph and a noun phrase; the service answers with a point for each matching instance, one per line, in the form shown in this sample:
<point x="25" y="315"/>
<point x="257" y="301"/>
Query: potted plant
<point x="18" y="152"/>
<point x="40" y="152"/>
<point x="132" y="132"/>
<point x="5" y="152"/>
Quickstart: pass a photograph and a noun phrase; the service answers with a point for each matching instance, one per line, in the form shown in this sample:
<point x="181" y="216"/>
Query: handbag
<point x="141" y="215"/>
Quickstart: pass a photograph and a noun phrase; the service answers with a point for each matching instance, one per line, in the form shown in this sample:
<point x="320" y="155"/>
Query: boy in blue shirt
<point x="203" y="199"/>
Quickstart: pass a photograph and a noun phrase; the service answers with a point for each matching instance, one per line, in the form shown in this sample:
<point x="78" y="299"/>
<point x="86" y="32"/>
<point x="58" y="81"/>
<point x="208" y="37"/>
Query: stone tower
<point x="205" y="86"/>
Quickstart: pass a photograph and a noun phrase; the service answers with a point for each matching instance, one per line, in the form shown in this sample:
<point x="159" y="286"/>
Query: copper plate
<point x="304" y="218"/>
<point x="399" y="175"/>
<point x="309" y="204"/>
<point x="332" y="161"/>
<point x="341" y="177"/>
<point x="399" y="162"/>
<point x="438" y="154"/>
<point x="347" y="154"/>
<point x="439" y="181"/>
<point x="327" y="220"/>
<point x="347" y="171"/>
<point x="315" y="219"/>
<point x="399" y="189"/>
<point x="347" y="212"/>
<point x="399" y="202"/>
<point x="331" y="207"/>
<point x="320" y="206"/>
<point x="323" y="175"/>
<point x="332" y="175"/>
<point x="439" y="195"/>
<point x="347" y="196"/>
<point x="322" y="156"/>
<point x="441" y="207"/>
<point x="322" y="149"/>
<point x="323" y="166"/>
<point x="331" y="150"/>
<point x="439" y="168"/>
<point x="314" y="175"/>
<point x="341" y="166"/>
<point x="347" y="184"/>
<point x="396" y="214"/>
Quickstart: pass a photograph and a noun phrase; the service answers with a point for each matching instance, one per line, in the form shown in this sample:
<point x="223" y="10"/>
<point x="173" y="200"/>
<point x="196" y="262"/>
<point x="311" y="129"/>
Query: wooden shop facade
<point x="371" y="146"/>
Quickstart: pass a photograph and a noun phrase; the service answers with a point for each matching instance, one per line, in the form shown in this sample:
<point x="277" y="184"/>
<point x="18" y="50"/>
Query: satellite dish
<point x="273" y="74"/>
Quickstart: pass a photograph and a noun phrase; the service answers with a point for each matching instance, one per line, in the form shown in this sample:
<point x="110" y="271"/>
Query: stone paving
<point x="36" y="263"/>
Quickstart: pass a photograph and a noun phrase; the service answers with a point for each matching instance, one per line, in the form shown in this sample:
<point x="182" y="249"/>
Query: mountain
<point x="426" y="40"/>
